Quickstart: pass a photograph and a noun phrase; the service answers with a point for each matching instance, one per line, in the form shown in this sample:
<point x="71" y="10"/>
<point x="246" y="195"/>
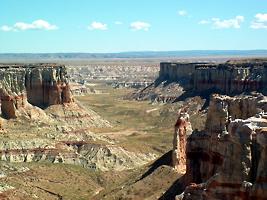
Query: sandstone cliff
<point x="178" y="80"/>
<point x="228" y="159"/>
<point x="22" y="86"/>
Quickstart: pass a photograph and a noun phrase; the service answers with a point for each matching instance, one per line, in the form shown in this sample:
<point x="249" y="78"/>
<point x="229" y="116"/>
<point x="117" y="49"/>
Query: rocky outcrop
<point x="177" y="81"/>
<point x="232" y="77"/>
<point x="224" y="109"/>
<point x="237" y="175"/>
<point x="229" y="79"/>
<point x="259" y="188"/>
<point x="176" y="71"/>
<point x="87" y="154"/>
<point x="47" y="86"/>
<point x="228" y="159"/>
<point x="163" y="92"/>
<point x="182" y="130"/>
<point x="39" y="85"/>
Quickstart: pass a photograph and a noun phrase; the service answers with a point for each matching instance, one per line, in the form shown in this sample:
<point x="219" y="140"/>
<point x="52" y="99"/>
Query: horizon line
<point x="141" y="51"/>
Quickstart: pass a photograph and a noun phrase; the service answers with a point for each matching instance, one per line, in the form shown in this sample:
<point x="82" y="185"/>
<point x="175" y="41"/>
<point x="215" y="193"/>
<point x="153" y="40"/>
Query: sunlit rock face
<point x="47" y="86"/>
<point x="23" y="86"/>
<point x="232" y="77"/>
<point x="179" y="80"/>
<point x="223" y="109"/>
<point x="228" y="159"/>
<point x="182" y="130"/>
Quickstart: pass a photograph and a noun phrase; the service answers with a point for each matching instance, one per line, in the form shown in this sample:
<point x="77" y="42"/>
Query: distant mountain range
<point x="141" y="54"/>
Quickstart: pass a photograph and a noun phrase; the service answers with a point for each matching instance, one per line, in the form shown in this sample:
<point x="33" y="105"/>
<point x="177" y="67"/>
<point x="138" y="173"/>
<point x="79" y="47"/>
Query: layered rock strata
<point x="179" y="80"/>
<point x="86" y="154"/>
<point x="39" y="85"/>
<point x="228" y="159"/>
<point x="232" y="77"/>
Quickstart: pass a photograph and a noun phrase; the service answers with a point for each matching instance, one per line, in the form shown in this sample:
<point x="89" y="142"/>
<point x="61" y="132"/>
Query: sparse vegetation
<point x="137" y="125"/>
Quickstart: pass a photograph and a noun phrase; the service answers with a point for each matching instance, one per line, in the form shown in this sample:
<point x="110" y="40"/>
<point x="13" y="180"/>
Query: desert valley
<point x="134" y="130"/>
<point x="133" y="100"/>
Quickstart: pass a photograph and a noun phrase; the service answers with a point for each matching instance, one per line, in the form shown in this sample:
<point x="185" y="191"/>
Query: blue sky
<point x="131" y="25"/>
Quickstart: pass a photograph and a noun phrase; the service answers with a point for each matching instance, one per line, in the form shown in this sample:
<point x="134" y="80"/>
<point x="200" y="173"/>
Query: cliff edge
<point x="227" y="160"/>
<point x="23" y="86"/>
<point x="176" y="81"/>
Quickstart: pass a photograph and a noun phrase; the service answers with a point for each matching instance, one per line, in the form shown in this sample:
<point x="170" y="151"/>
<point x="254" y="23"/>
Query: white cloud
<point x="138" y="25"/>
<point x="38" y="25"/>
<point x="35" y="25"/>
<point x="118" y="23"/>
<point x="98" y="26"/>
<point x="228" y="23"/>
<point x="218" y="23"/>
<point x="258" y="25"/>
<point x="182" y="12"/>
<point x="261" y="17"/>
<point x="23" y="26"/>
<point x="204" y="22"/>
<point x="6" y="28"/>
<point x="260" y="21"/>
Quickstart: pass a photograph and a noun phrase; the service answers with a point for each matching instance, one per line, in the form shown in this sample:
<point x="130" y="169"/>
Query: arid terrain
<point x="133" y="100"/>
<point x="68" y="133"/>
<point x="90" y="140"/>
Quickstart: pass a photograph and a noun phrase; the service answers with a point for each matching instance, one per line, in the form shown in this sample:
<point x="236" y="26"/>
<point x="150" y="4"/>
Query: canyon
<point x="224" y="159"/>
<point x="61" y="118"/>
<point x="42" y="123"/>
<point x="41" y="94"/>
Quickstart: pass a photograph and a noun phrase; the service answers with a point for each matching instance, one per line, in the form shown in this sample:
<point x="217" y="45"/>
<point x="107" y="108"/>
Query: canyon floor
<point x="136" y="126"/>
